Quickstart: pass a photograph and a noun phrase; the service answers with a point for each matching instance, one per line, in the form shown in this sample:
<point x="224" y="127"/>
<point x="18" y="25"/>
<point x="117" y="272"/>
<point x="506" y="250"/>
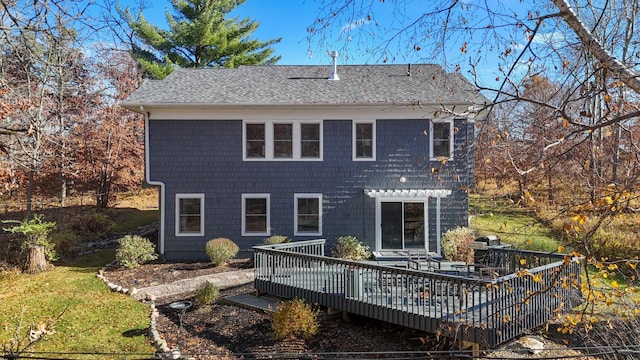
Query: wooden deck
<point x="468" y="303"/>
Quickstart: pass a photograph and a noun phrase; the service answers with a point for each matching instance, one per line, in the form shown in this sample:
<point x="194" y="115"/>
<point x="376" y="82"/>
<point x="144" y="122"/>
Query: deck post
<point x="475" y="348"/>
<point x="420" y="299"/>
<point x="344" y="313"/>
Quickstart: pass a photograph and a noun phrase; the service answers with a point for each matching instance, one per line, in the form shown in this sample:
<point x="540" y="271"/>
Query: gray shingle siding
<point x="202" y="156"/>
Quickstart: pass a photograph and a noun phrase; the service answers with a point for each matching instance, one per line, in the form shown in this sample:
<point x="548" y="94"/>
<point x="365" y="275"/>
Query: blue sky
<point x="289" y="19"/>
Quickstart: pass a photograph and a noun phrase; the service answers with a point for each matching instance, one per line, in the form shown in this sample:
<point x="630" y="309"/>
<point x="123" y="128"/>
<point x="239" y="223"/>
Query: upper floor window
<point x="308" y="214"/>
<point x="283" y="141"/>
<point x="189" y="214"/>
<point x="255" y="214"/>
<point x="441" y="139"/>
<point x="310" y="140"/>
<point x="280" y="140"/>
<point x="364" y="144"/>
<point x="255" y="140"/>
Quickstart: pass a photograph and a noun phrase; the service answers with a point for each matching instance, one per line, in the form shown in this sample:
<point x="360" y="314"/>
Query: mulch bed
<point x="156" y="273"/>
<point x="219" y="330"/>
<point x="224" y="331"/>
<point x="227" y="331"/>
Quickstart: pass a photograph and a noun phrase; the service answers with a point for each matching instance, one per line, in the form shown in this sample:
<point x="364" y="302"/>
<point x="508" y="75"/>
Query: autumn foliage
<point x="294" y="319"/>
<point x="97" y="149"/>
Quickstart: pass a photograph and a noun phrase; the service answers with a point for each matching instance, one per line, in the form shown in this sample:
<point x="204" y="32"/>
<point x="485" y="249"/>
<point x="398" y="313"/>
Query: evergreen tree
<point x="199" y="35"/>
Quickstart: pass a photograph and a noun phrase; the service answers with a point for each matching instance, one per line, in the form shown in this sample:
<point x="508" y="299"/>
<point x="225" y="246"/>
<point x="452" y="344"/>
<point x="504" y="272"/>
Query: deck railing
<point x="488" y="311"/>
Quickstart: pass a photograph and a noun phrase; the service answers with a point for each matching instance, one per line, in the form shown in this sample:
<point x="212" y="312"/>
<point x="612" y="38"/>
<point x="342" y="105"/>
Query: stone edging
<point x="222" y="280"/>
<point x="162" y="348"/>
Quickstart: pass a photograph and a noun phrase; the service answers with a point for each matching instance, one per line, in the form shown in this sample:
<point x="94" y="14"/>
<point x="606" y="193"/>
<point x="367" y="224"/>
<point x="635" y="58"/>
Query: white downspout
<point x="438" y="233"/>
<point x="147" y="175"/>
<point x="425" y="233"/>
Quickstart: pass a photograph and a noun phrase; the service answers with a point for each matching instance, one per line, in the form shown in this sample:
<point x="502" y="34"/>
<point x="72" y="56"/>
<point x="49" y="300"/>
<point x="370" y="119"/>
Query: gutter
<point x="166" y="105"/>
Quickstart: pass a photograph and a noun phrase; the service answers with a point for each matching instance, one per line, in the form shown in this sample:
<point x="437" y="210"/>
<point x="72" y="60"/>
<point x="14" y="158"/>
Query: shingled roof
<point x="308" y="85"/>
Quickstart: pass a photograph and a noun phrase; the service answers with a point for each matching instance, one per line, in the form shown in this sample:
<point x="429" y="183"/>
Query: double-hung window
<point x="310" y="140"/>
<point x="308" y="214"/>
<point x="255" y="214"/>
<point x="364" y="140"/>
<point x="441" y="140"/>
<point x="189" y="214"/>
<point x="282" y="140"/>
<point x="255" y="141"/>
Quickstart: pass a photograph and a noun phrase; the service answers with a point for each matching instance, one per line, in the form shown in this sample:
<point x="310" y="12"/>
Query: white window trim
<point x="177" y="206"/>
<point x="353" y="141"/>
<point x="244" y="215"/>
<point x="451" y="137"/>
<point x="269" y="140"/>
<point x="295" y="215"/>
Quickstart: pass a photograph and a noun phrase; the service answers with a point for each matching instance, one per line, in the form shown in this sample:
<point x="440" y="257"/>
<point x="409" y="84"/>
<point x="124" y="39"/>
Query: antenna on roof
<point x="334" y="71"/>
<point x="408" y="69"/>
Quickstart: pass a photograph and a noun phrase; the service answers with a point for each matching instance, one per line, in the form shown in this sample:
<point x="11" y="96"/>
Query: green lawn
<point x="91" y="317"/>
<point x="515" y="225"/>
<point x="130" y="219"/>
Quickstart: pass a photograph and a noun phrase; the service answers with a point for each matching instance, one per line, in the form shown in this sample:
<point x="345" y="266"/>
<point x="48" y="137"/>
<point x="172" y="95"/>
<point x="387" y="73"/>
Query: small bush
<point x="134" y="250"/>
<point x="207" y="293"/>
<point x="35" y="232"/>
<point x="294" y="319"/>
<point x="67" y="243"/>
<point x="221" y="250"/>
<point x="276" y="239"/>
<point x="91" y="226"/>
<point x="455" y="244"/>
<point x="350" y="248"/>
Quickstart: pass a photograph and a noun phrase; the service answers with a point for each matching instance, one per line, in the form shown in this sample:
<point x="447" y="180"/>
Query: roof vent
<point x="334" y="71"/>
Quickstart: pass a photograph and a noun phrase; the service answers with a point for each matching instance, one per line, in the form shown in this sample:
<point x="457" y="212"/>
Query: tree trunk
<point x="63" y="192"/>
<point x="36" y="261"/>
<point x="549" y="187"/>
<point x="30" y="193"/>
<point x="103" y="193"/>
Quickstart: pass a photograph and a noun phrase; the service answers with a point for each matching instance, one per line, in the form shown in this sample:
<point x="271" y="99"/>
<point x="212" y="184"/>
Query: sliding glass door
<point x="402" y="224"/>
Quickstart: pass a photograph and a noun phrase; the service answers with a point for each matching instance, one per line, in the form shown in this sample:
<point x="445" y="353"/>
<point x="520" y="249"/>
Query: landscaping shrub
<point x="294" y="319"/>
<point x="221" y="250"/>
<point x="207" y="293"/>
<point x="350" y="248"/>
<point x="455" y="244"/>
<point x="90" y="226"/>
<point x="67" y="243"/>
<point x="276" y="239"/>
<point x="134" y="250"/>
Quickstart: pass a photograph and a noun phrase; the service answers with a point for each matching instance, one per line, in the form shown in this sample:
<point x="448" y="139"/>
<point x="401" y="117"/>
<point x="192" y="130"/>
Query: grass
<point x="127" y="219"/>
<point x="615" y="296"/>
<point x="135" y="210"/>
<point x="515" y="225"/>
<point x="87" y="317"/>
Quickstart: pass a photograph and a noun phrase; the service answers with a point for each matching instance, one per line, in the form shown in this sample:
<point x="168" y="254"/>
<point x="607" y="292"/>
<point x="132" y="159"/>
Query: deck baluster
<point x="488" y="310"/>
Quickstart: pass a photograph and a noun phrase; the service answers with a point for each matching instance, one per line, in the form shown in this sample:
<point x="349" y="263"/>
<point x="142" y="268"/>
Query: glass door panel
<point x="414" y="225"/>
<point x="391" y="225"/>
<point x="402" y="225"/>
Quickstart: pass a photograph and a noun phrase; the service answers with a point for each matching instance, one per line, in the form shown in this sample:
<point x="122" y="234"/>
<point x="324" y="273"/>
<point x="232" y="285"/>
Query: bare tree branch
<point x="626" y="75"/>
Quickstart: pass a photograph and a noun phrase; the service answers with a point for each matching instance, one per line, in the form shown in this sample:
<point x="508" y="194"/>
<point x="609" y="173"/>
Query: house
<point x="380" y="152"/>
